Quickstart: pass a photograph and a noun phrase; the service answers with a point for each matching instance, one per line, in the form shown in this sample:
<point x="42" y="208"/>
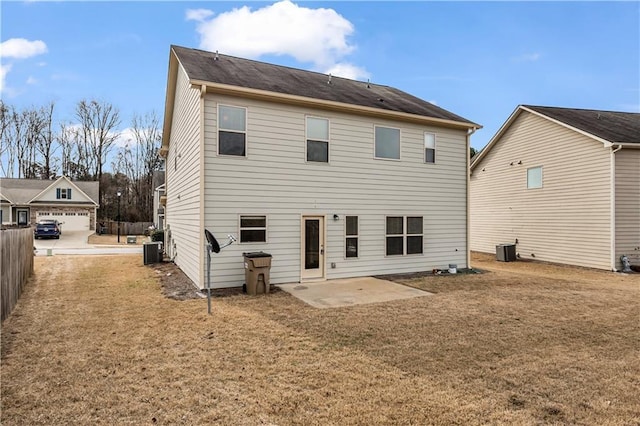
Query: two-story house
<point x="563" y="184"/>
<point x="24" y="202"/>
<point x="333" y="177"/>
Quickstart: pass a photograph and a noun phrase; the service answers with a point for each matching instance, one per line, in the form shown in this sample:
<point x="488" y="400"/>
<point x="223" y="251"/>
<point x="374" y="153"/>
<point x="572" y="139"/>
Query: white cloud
<point x="21" y="48"/>
<point x="198" y="14"/>
<point x="17" y="48"/>
<point x="126" y="138"/>
<point x="528" y="57"/>
<point x="32" y="80"/>
<point x="316" y="36"/>
<point x="348" y="71"/>
<point x="4" y="70"/>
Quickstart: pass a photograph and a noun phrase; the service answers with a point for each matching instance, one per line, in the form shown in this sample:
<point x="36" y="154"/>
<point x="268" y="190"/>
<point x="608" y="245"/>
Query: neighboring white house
<point x="25" y="201"/>
<point x="562" y="183"/>
<point x="333" y="177"/>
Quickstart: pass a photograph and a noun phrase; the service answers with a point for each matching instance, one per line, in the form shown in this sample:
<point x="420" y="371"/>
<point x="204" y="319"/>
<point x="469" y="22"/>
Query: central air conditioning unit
<point x="152" y="253"/>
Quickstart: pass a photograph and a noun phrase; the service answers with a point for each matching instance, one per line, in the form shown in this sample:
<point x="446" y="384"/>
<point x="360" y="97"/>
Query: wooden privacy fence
<point x="126" y="228"/>
<point x="16" y="255"/>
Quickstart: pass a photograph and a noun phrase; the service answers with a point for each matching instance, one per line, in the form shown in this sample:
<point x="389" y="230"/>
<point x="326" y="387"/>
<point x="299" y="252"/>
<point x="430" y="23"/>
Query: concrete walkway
<point x="350" y="291"/>
<point x="76" y="243"/>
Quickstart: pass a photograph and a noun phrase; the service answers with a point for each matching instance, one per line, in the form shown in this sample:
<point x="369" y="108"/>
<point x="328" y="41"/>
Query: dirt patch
<point x="176" y="285"/>
<point x="93" y="339"/>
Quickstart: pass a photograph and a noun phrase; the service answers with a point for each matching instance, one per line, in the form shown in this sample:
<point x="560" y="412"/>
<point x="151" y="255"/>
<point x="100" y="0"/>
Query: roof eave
<point x="635" y="145"/>
<point x="172" y="74"/>
<point x="265" y="95"/>
<point x="495" y="138"/>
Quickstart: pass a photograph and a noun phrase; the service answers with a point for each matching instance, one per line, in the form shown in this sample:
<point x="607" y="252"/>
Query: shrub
<point x="157" y="235"/>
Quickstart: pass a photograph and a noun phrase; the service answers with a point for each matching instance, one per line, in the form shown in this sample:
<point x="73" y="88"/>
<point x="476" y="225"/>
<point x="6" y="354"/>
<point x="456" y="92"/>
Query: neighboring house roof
<point x="229" y="74"/>
<point x="608" y="127"/>
<point x="23" y="191"/>
<point x="613" y="126"/>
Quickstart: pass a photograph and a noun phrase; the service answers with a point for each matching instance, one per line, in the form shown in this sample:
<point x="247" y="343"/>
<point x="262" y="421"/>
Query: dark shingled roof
<point x="229" y="70"/>
<point x="615" y="127"/>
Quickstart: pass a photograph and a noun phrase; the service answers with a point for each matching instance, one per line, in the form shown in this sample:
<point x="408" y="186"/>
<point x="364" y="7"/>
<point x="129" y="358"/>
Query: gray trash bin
<point x="257" y="270"/>
<point x="506" y="252"/>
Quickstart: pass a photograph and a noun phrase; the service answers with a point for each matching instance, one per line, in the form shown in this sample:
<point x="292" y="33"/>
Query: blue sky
<point x="476" y="59"/>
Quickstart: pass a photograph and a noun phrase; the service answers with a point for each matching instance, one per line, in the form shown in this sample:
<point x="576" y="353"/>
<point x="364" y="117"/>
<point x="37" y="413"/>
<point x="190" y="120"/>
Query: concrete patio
<point x="350" y="291"/>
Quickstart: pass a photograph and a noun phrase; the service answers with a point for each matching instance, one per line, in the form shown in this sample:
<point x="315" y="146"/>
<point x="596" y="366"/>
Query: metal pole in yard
<point x="209" y="279"/>
<point x="119" y="194"/>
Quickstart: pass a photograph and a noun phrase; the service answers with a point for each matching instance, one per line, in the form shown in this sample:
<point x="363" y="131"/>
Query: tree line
<point x="89" y="147"/>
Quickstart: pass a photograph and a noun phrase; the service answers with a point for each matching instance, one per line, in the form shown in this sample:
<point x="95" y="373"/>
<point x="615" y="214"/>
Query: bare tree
<point x="45" y="144"/>
<point x="98" y="123"/>
<point x="148" y="136"/>
<point x="20" y="150"/>
<point x="5" y="140"/>
<point x="138" y="160"/>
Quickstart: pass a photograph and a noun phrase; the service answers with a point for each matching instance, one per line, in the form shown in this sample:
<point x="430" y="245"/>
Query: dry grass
<point x="94" y="341"/>
<point x="112" y="240"/>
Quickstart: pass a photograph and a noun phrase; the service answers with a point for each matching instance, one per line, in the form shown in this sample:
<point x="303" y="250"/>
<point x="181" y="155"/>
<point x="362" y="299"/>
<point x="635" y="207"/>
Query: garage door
<point x="75" y="221"/>
<point x="71" y="221"/>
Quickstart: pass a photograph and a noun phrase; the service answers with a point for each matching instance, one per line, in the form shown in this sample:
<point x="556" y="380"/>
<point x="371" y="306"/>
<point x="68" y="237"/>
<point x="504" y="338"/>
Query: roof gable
<point x="50" y="194"/>
<point x="607" y="127"/>
<point x="208" y="67"/>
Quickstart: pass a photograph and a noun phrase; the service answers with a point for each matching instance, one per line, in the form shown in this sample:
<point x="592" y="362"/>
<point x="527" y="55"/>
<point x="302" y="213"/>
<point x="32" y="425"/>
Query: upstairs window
<point x="387" y="143"/>
<point x="317" y="139"/>
<point x="232" y="131"/>
<point x="534" y="177"/>
<point x="429" y="148"/>
<point x="63" y="193"/>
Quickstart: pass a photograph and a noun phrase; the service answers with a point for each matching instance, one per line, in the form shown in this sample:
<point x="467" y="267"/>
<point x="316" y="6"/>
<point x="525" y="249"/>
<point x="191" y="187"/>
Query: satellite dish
<point x="212" y="240"/>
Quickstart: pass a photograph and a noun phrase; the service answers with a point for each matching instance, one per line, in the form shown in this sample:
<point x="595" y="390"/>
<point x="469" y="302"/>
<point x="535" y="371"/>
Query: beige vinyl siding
<point x="627" y="163"/>
<point x="6" y="214"/>
<point x="77" y="196"/>
<point x="275" y="180"/>
<point x="568" y="220"/>
<point x="183" y="184"/>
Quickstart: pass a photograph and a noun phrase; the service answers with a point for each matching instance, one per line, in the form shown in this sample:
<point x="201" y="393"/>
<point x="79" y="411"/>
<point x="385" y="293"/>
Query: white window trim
<point x="266" y="227"/>
<point x="328" y="141"/>
<point x="404" y="235"/>
<point x="246" y="131"/>
<point x="435" y="147"/>
<point x="357" y="236"/>
<point x="399" y="143"/>
<point x="541" y="177"/>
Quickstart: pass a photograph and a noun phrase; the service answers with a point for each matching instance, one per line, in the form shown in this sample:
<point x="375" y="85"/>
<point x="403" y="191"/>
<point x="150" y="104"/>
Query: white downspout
<point x="201" y="172"/>
<point x="613" y="207"/>
<point x="470" y="132"/>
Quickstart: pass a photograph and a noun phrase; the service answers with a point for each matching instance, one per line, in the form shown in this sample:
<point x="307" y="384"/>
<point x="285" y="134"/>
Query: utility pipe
<point x="470" y="132"/>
